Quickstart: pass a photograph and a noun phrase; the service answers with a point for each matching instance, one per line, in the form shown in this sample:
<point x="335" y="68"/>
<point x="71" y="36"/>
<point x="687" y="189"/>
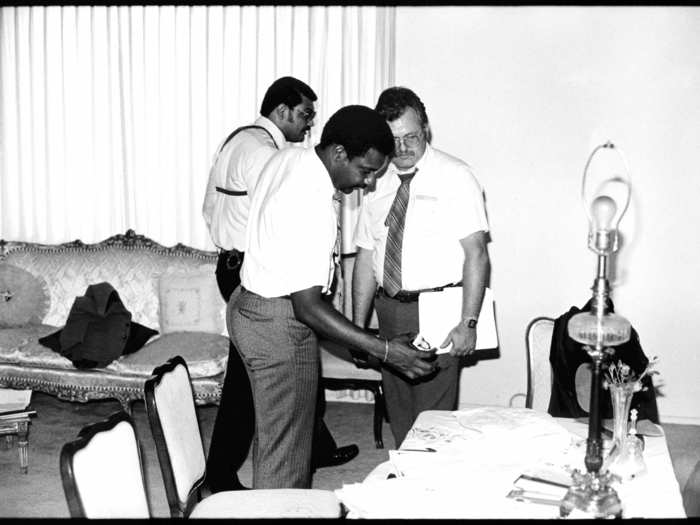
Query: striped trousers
<point x="281" y="357"/>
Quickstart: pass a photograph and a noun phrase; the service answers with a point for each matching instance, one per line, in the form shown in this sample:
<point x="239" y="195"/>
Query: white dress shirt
<point x="292" y="226"/>
<point x="445" y="205"/>
<point x="237" y="167"/>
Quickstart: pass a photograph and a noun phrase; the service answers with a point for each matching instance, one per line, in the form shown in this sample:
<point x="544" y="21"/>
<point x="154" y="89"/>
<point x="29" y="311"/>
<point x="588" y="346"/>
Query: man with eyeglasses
<point x="286" y="115"/>
<point x="424" y="228"/>
<point x="283" y="306"/>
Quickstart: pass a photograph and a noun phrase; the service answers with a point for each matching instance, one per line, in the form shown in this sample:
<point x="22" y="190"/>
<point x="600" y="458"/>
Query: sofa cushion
<point x="190" y="301"/>
<point x="20" y="346"/>
<point x="138" y="336"/>
<point x="206" y="354"/>
<point x="24" y="297"/>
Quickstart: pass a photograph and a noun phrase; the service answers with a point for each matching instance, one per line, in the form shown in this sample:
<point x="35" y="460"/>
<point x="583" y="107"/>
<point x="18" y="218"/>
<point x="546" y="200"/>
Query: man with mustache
<point x="286" y="115"/>
<point x="283" y="302"/>
<point x="423" y="228"/>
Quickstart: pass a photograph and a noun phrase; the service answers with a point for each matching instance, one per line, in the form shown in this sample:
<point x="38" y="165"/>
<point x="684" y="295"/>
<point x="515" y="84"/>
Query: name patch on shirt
<point x="427" y="198"/>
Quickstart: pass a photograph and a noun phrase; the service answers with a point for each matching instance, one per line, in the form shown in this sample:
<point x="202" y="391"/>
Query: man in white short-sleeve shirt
<point x="443" y="244"/>
<point x="287" y="271"/>
<point x="286" y="115"/>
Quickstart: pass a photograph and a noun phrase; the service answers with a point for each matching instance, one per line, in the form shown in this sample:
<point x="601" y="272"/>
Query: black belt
<point x="410" y="297"/>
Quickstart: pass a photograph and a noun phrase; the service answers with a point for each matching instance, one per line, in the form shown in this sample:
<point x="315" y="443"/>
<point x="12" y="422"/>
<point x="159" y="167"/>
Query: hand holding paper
<point x="440" y="312"/>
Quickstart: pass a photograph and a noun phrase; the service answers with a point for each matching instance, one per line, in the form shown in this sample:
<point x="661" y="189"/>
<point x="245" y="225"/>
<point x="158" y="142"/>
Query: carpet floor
<point x="39" y="493"/>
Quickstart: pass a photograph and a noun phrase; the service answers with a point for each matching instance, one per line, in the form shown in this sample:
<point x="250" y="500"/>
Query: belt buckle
<point x="407" y="297"/>
<point x="237" y="264"/>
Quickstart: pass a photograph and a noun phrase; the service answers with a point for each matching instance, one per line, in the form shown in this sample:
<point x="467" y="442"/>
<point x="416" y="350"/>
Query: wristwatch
<point x="470" y="322"/>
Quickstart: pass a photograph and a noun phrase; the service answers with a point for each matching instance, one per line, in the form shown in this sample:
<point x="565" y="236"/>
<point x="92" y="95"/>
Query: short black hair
<point x="358" y="128"/>
<point x="393" y="101"/>
<point x="287" y="91"/>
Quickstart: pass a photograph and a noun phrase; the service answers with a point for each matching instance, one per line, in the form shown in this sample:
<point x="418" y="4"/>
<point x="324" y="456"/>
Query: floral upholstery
<point x="132" y="264"/>
<point x="23" y="297"/>
<point x="132" y="272"/>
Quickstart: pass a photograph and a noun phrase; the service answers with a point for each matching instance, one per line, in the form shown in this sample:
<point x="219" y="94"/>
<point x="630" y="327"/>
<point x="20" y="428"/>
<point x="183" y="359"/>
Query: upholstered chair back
<point x="101" y="471"/>
<point x="173" y="419"/>
<point x="171" y="413"/>
<point x="538" y="340"/>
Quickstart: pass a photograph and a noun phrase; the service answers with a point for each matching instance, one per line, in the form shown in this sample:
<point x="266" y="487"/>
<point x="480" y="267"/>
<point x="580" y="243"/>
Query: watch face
<point x="472" y="323"/>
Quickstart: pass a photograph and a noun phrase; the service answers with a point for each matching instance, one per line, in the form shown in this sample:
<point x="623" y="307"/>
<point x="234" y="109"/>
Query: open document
<point x="439" y="312"/>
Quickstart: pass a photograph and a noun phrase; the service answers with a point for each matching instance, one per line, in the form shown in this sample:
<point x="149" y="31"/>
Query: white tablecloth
<point x="480" y="452"/>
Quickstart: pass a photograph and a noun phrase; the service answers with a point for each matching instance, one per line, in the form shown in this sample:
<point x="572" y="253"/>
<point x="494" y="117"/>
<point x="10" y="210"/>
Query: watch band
<point x="470" y="322"/>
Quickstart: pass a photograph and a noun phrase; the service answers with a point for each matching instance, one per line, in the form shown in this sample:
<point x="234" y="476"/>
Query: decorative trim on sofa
<point x="129" y="240"/>
<point x="125" y="389"/>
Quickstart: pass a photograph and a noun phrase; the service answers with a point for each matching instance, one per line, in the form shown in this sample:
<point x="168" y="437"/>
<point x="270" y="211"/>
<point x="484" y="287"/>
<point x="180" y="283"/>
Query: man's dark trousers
<point x="235" y="419"/>
<point x="234" y="426"/>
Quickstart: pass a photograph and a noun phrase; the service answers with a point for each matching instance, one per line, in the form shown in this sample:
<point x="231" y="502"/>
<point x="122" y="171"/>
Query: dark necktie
<point x="394" y="240"/>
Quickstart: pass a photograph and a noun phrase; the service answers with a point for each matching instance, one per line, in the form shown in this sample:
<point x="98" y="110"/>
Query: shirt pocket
<point x="424" y="215"/>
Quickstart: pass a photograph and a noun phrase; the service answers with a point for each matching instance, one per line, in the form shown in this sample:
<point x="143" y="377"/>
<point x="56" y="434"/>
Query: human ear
<point x="340" y="156"/>
<point x="428" y="133"/>
<point x="281" y="110"/>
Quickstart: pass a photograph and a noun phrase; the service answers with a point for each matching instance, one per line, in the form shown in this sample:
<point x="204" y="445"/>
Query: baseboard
<point x="680" y="420"/>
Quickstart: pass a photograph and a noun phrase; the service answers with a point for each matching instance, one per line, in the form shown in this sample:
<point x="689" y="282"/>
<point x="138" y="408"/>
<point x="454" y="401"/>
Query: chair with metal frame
<point x="102" y="472"/>
<point x="173" y="419"/>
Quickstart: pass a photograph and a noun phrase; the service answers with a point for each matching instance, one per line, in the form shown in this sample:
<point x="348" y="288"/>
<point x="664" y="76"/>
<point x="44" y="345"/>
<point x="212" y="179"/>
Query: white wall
<point x="524" y="94"/>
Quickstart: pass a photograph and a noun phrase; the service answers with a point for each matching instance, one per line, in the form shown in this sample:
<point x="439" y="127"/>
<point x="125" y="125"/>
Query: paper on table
<point x="12" y="400"/>
<point x="440" y="312"/>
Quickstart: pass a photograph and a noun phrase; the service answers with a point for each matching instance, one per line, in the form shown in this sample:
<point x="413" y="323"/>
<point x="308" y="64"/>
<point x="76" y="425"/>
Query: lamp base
<point x="592" y="495"/>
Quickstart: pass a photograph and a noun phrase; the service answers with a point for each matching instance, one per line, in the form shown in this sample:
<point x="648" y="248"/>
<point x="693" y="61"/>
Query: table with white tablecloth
<point x="462" y="464"/>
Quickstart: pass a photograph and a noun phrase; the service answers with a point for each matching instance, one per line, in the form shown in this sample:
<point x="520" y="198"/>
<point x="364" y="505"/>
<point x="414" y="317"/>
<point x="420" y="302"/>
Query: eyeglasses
<point x="409" y="141"/>
<point x="308" y="115"/>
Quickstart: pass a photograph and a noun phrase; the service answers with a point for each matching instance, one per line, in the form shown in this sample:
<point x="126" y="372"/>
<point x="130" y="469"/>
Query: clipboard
<point x="440" y="312"/>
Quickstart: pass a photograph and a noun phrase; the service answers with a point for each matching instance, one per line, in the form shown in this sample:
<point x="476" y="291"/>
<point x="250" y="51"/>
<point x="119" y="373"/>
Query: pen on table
<point x="417" y="450"/>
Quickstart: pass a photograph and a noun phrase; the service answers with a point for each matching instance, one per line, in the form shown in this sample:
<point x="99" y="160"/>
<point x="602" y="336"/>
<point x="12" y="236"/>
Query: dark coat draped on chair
<point x="566" y="355"/>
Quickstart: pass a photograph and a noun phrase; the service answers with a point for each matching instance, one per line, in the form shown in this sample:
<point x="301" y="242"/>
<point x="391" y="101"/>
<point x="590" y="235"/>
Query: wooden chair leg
<point x="379" y="412"/>
<point x="125" y="402"/>
<point x="23" y="445"/>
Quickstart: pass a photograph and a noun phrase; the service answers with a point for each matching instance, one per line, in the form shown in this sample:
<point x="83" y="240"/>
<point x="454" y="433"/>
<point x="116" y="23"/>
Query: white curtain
<point x="110" y="115"/>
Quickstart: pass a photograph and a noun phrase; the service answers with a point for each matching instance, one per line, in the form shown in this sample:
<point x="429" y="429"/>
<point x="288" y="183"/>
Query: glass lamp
<point x="605" y="198"/>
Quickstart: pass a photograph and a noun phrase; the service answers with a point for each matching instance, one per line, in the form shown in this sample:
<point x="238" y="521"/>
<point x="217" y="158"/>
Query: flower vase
<point x="621" y="398"/>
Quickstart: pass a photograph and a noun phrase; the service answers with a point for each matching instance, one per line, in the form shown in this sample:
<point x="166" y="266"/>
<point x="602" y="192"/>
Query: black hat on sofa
<point x="98" y="329"/>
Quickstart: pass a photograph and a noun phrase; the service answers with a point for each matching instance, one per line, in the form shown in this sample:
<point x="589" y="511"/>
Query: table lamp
<point x="599" y="331"/>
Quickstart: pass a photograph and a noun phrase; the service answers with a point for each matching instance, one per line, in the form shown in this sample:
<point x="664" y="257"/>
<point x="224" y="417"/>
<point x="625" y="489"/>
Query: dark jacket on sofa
<point x="98" y="329"/>
<point x="566" y="355"/>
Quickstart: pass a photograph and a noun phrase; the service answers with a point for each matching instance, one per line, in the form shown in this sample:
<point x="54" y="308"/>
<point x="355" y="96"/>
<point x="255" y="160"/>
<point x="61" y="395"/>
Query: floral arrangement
<point x="621" y="375"/>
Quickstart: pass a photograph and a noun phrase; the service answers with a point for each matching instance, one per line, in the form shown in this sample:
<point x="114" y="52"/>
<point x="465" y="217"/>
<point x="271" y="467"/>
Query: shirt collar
<point x="418" y="166"/>
<point x="324" y="182"/>
<point x="276" y="132"/>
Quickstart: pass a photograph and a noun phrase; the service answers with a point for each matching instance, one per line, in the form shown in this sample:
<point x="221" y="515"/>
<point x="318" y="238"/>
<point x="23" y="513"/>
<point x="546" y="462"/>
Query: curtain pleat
<point x="110" y="115"/>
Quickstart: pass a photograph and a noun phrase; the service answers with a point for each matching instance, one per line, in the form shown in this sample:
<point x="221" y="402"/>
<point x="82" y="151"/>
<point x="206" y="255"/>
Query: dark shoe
<point x="340" y="455"/>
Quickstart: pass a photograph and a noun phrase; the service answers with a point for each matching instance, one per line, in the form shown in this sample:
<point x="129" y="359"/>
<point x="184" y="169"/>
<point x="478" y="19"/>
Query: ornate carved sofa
<point x="170" y="289"/>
